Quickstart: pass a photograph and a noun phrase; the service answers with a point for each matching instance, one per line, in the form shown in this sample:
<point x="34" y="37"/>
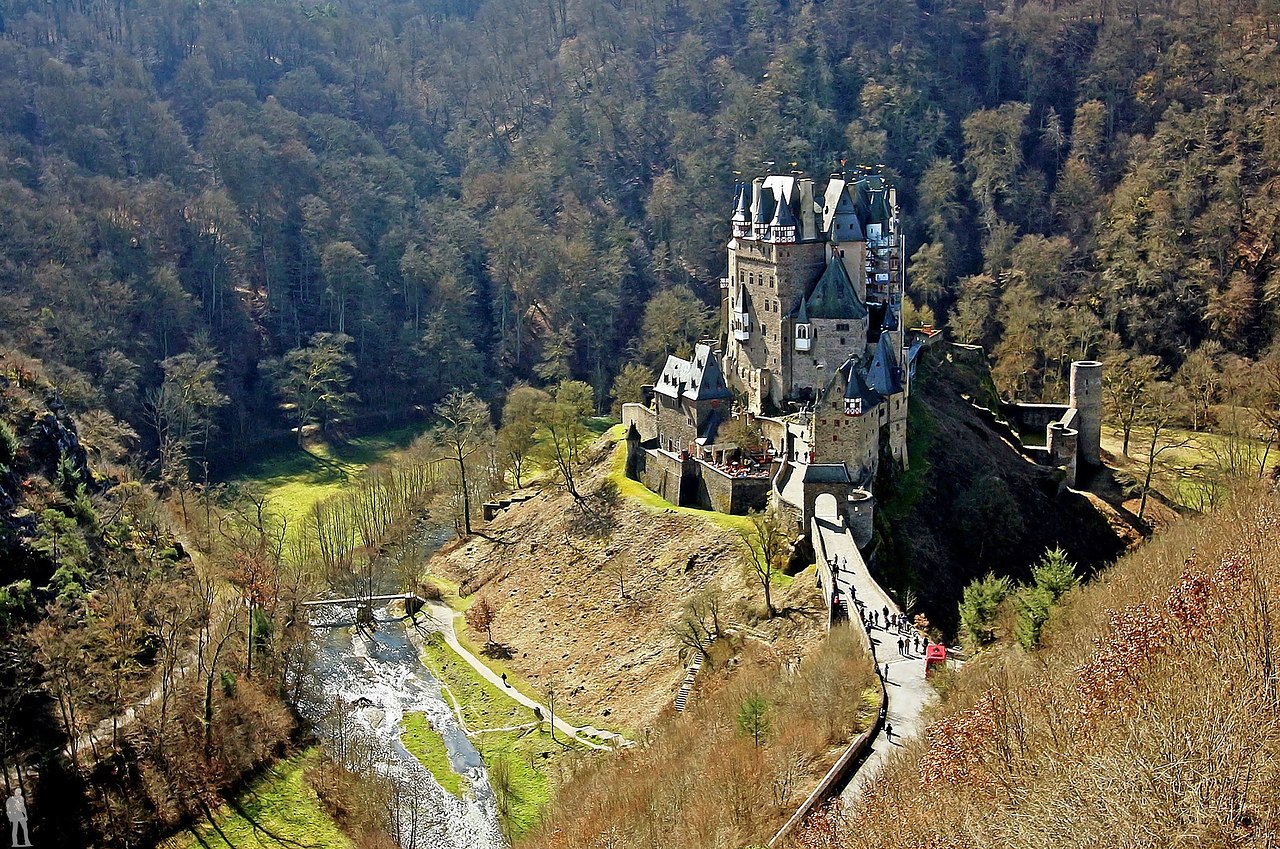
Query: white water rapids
<point x="379" y="678"/>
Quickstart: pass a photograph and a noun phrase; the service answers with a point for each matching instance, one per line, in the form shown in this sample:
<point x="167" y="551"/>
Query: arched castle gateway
<point x="812" y="346"/>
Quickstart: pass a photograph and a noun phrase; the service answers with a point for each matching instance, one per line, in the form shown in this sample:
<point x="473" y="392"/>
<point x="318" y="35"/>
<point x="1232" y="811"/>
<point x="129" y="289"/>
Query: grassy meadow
<point x="279" y="810"/>
<point x="296" y="479"/>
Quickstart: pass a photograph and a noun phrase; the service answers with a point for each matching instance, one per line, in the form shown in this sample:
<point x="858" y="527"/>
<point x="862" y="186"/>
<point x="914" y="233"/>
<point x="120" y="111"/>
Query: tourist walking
<point x="15" y="807"/>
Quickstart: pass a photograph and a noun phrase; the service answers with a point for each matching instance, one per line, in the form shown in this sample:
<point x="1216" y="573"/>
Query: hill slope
<point x="1148" y="718"/>
<point x="971" y="503"/>
<point x="607" y="647"/>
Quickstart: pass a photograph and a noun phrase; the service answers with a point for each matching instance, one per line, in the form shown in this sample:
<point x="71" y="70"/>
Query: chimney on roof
<point x="808" y="221"/>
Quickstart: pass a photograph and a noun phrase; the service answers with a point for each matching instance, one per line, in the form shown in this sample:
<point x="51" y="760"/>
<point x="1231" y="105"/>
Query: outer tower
<point x="1086" y="398"/>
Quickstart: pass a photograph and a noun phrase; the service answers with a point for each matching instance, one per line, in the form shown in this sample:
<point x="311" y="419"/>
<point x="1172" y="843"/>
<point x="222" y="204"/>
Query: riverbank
<point x="278" y="809"/>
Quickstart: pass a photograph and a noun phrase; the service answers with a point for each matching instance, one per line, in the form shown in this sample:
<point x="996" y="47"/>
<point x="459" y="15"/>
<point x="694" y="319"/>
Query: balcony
<point x="741" y="326"/>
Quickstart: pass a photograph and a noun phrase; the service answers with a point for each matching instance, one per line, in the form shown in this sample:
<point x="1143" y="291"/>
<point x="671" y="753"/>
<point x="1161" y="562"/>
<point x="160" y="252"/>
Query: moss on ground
<point x="296" y="479"/>
<point x="428" y="746"/>
<point x="278" y="809"/>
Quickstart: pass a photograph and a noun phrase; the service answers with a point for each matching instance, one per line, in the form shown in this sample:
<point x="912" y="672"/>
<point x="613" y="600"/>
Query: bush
<point x="1033" y="605"/>
<point x="979" y="607"/>
<point x="1055" y="573"/>
<point x="8" y="444"/>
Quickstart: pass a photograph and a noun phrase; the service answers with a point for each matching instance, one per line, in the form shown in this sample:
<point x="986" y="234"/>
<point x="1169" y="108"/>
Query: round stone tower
<point x="1086" y="398"/>
<point x="860" y="514"/>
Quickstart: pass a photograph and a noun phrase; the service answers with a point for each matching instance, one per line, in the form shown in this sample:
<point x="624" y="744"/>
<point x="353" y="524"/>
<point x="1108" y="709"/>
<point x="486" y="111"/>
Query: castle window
<point x="842" y="327"/>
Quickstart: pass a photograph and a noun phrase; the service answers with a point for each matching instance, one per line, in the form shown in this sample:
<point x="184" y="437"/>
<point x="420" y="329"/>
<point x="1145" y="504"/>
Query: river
<point x="380" y="678"/>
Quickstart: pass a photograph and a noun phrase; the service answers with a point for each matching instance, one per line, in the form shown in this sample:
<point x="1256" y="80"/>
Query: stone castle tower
<point x="811" y="314"/>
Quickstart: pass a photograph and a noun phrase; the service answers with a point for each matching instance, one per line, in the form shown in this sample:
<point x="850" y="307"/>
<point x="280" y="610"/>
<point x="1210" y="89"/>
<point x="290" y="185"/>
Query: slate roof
<point x="783" y="217"/>
<point x="742" y="203"/>
<point x="885" y="374"/>
<point x="826" y="473"/>
<point x="857" y="386"/>
<point x="833" y="295"/>
<point x="766" y="208"/>
<point x="698" y="380"/>
<point x="712" y="426"/>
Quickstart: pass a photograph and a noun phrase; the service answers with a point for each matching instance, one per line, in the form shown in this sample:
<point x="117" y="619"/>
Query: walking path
<point x="439" y="617"/>
<point x="908" y="692"/>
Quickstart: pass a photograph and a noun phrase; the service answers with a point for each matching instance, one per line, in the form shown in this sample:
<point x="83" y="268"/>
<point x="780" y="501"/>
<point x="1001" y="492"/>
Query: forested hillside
<point x="467" y="193"/>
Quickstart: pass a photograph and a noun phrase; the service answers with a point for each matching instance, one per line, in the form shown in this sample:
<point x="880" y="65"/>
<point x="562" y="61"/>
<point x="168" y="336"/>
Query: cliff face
<point x="971" y="503"/>
<point x="41" y="463"/>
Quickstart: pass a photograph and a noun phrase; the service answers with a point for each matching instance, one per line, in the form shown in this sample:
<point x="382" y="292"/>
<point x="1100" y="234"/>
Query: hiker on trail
<point x="886" y="613"/>
<point x="16" y="809"/>
<point x="888" y="730"/>
<point x="899" y="645"/>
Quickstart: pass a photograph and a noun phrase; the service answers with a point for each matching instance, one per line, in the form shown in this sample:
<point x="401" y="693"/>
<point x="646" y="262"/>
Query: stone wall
<point x="675" y="431"/>
<point x="643" y="418"/>
<point x="663" y="473"/>
<point x="718" y="491"/>
<point x="833" y="343"/>
<point x="1027" y="417"/>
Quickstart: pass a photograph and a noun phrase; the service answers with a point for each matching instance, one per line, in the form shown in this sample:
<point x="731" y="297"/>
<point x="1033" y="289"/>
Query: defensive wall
<point x="682" y="479"/>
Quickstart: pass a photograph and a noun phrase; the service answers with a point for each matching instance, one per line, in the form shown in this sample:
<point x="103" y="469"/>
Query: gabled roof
<point x="885" y="374"/>
<point x="833" y="295"/>
<point x="698" y="380"/>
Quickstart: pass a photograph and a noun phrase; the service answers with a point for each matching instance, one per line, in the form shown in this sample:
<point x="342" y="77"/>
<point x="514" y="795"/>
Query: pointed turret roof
<point x="742" y="203"/>
<point x="885" y="374"/>
<point x="764" y="212"/>
<point x="849" y="384"/>
<point x="891" y="319"/>
<point x="802" y="314"/>
<point x="833" y="296"/>
<point x="783" y="217"/>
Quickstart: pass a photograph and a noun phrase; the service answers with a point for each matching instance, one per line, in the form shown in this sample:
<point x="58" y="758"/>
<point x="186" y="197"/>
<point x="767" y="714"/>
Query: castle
<point x="812" y="356"/>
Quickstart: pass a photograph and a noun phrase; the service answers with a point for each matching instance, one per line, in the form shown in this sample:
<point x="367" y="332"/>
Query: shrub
<point x="978" y="609"/>
<point x="8" y="444"/>
<point x="1033" y="605"/>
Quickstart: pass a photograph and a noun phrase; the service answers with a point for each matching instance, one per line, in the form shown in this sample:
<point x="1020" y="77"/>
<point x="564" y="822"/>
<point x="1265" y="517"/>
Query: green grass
<point x="296" y="479"/>
<point x="426" y="744"/>
<point x="530" y="753"/>
<point x="278" y="810"/>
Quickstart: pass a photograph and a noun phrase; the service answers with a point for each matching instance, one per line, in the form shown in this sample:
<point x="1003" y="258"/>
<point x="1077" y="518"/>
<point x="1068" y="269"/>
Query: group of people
<point x="910" y="641"/>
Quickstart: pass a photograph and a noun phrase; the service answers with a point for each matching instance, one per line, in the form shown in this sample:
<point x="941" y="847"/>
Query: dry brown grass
<point x="1149" y="717"/>
<point x="700" y="782"/>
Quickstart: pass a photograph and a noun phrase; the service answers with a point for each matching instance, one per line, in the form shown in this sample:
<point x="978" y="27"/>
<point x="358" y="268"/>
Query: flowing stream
<point x="379" y="678"/>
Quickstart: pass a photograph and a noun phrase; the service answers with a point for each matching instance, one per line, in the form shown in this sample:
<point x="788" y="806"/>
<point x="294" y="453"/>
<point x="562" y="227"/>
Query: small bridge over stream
<point x="363" y="599"/>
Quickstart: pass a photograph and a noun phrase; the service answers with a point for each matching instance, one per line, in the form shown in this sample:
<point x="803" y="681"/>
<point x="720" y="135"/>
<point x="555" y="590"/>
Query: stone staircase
<point x="682" y="697"/>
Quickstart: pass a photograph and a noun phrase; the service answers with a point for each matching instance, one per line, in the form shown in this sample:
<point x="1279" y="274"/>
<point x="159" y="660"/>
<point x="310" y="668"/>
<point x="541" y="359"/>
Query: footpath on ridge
<point x="907" y="691"/>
